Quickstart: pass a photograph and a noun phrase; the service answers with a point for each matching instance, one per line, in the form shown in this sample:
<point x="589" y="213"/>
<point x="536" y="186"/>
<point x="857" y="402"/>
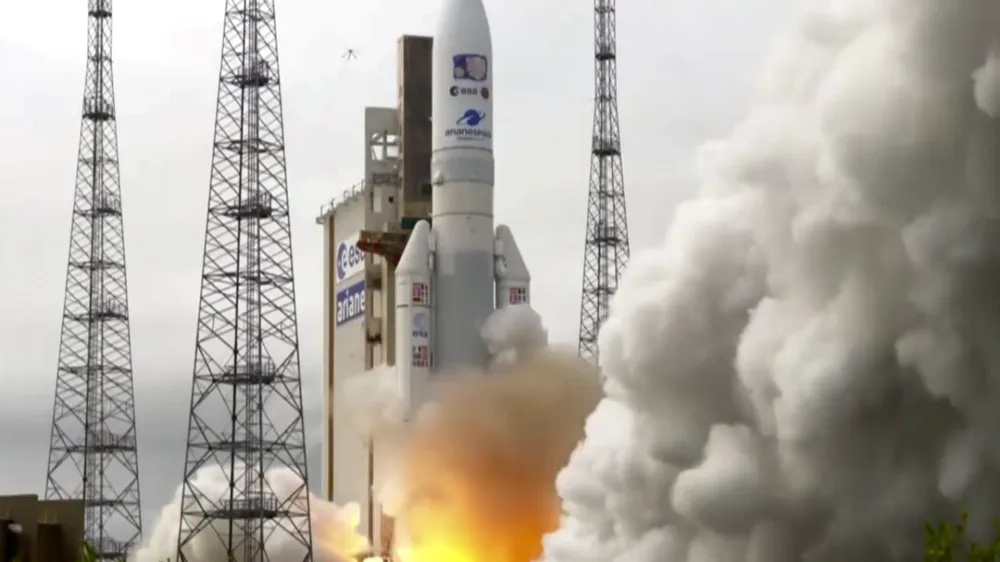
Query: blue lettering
<point x="349" y="259"/>
<point x="350" y="303"/>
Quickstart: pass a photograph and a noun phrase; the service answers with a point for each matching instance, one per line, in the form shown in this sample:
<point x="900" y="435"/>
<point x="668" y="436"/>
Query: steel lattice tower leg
<point x="92" y="450"/>
<point x="606" y="249"/>
<point x="246" y="400"/>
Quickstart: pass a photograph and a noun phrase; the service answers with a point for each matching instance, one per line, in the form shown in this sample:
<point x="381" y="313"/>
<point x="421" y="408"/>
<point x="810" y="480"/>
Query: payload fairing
<point x="456" y="270"/>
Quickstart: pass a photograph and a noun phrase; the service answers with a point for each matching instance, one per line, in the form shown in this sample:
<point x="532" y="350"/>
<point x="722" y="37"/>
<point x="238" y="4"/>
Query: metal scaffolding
<point x="246" y="404"/>
<point x="606" y="247"/>
<point x="92" y="452"/>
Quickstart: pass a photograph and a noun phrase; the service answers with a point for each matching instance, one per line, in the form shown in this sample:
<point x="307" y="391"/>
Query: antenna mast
<point x="606" y="247"/>
<point x="246" y="399"/>
<point x="92" y="449"/>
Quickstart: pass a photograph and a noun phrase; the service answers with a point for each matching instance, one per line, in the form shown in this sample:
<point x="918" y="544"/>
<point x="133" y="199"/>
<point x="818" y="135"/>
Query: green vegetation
<point x="88" y="554"/>
<point x="947" y="543"/>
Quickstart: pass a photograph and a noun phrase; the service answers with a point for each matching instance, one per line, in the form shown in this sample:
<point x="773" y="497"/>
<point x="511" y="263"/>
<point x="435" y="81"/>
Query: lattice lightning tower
<point x="92" y="450"/>
<point x="606" y="249"/>
<point x="246" y="403"/>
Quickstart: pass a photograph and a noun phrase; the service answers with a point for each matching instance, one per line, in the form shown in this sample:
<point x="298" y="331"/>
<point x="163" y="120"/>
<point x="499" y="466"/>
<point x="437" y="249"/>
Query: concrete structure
<point x="364" y="233"/>
<point x="41" y="531"/>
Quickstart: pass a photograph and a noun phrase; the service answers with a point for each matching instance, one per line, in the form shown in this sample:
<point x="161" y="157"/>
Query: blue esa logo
<point x="351" y="303"/>
<point x="467" y="126"/>
<point x="350" y="259"/>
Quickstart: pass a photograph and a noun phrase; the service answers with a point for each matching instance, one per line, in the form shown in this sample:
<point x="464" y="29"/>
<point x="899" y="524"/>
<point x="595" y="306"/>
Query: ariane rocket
<point x="456" y="270"/>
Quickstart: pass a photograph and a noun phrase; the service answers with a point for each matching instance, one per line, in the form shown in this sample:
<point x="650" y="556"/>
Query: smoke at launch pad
<point x="807" y="370"/>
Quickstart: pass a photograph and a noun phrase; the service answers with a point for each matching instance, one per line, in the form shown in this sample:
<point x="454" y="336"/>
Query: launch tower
<point x="92" y="449"/>
<point x="365" y="232"/>
<point x="246" y="400"/>
<point x="606" y="248"/>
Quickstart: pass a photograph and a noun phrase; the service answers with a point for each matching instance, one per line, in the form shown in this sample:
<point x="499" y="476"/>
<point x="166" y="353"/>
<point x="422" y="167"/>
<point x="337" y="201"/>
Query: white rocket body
<point x="471" y="268"/>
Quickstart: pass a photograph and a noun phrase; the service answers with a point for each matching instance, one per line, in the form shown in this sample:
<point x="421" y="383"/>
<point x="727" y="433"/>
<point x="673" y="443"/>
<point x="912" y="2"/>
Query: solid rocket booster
<point x="469" y="268"/>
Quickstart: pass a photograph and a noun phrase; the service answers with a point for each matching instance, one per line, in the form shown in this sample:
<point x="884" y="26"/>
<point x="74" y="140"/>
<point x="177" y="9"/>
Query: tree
<point x="947" y="542"/>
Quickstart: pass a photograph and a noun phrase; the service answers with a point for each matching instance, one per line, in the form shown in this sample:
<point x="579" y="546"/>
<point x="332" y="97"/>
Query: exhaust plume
<point x="471" y="480"/>
<point x="809" y="368"/>
<point x="476" y="473"/>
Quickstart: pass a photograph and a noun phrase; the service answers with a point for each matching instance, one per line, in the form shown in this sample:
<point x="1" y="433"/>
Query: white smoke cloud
<point x="809" y="368"/>
<point x="512" y="334"/>
<point x="335" y="537"/>
<point x="376" y="410"/>
<point x="372" y="403"/>
<point x="379" y="411"/>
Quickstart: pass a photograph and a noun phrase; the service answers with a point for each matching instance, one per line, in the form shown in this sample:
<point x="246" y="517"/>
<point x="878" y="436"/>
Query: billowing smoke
<point x="474" y="474"/>
<point x="478" y="465"/>
<point x="335" y="538"/>
<point x="477" y="473"/>
<point x="513" y="334"/>
<point x="810" y="367"/>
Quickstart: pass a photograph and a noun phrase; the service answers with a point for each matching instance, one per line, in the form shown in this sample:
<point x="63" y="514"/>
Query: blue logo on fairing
<point x="467" y="66"/>
<point x="471" y="118"/>
<point x="467" y="127"/>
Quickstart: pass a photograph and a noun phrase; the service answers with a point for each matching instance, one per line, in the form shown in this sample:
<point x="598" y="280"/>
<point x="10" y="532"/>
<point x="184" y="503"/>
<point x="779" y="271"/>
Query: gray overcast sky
<point x="685" y="75"/>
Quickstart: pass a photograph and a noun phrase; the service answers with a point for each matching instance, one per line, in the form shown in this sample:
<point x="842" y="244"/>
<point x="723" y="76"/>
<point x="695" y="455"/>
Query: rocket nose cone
<point x="465" y="6"/>
<point x="414" y="257"/>
<point x="467" y="14"/>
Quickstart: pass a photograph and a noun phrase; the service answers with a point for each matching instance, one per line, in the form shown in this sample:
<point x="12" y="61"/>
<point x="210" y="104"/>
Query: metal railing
<point x="347" y="196"/>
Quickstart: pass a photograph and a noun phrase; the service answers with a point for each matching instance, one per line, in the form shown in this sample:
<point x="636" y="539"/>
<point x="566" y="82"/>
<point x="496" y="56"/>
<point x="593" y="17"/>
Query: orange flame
<point x="480" y="471"/>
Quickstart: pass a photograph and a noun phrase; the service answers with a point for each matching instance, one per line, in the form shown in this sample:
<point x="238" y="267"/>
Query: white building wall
<point x="345" y="452"/>
<point x="354" y="345"/>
